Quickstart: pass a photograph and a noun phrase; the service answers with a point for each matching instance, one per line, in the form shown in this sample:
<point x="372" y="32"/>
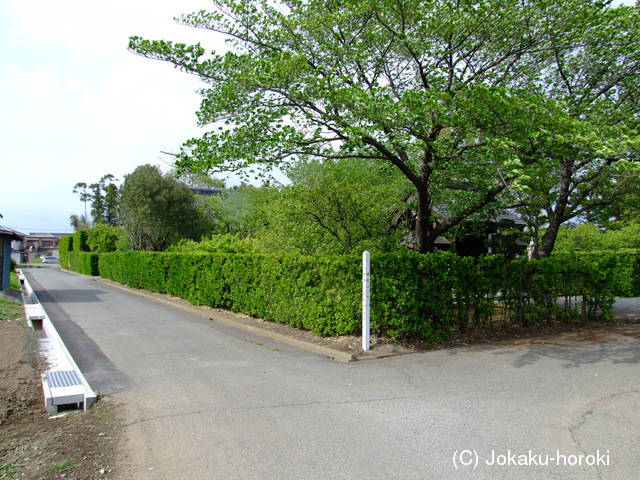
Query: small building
<point x="7" y="235"/>
<point x="43" y="244"/>
<point x="480" y="234"/>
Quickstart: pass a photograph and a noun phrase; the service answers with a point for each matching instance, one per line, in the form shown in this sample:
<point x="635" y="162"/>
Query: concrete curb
<point x="336" y="355"/>
<point x="63" y="382"/>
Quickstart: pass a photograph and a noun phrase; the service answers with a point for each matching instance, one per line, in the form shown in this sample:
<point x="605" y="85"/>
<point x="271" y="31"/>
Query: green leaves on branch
<point x="531" y="98"/>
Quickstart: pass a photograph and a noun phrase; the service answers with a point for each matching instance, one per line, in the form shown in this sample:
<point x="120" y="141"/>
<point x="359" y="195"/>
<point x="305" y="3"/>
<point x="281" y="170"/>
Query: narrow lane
<point x="202" y="400"/>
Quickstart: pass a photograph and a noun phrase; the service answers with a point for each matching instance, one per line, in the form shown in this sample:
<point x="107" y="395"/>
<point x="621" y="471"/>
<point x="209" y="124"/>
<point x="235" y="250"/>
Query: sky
<point x="75" y="104"/>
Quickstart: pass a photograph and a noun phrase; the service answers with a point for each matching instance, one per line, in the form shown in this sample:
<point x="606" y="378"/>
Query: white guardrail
<point x="63" y="383"/>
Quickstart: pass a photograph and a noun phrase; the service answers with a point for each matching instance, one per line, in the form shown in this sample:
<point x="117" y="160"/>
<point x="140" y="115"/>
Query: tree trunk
<point x="557" y="214"/>
<point x="543" y="250"/>
<point x="423" y="224"/>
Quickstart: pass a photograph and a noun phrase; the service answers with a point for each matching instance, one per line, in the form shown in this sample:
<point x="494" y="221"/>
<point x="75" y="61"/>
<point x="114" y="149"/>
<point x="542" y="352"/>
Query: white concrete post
<point x="366" y="301"/>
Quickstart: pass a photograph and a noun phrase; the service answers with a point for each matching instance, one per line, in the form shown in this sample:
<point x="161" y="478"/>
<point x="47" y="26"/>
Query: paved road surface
<point x="203" y="400"/>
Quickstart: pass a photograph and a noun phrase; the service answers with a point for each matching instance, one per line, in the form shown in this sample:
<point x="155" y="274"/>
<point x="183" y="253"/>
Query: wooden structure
<point x="6" y="236"/>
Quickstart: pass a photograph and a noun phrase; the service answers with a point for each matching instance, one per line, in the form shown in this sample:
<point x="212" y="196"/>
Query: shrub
<point x="426" y="297"/>
<point x="65" y="246"/>
<point x="80" y="241"/>
<point x="106" y="238"/>
<point x="84" y="262"/>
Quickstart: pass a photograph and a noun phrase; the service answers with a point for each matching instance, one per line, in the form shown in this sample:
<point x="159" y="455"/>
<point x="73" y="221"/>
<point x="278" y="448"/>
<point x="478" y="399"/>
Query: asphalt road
<point x="203" y="400"/>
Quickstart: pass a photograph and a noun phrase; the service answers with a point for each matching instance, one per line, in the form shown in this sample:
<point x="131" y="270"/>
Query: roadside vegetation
<point x="34" y="445"/>
<point x="405" y="129"/>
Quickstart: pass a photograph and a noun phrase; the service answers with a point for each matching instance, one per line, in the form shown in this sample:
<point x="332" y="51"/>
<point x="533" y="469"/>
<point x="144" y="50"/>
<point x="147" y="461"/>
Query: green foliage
<point x="84" y="262"/>
<point x="65" y="246"/>
<point x="427" y="297"/>
<point x="9" y="470"/>
<point x="79" y="222"/>
<point x="216" y="244"/>
<point x="107" y="238"/>
<point x="335" y="207"/>
<point x="73" y="253"/>
<point x="535" y="95"/>
<point x="61" y="466"/>
<point x="14" y="282"/>
<point x="158" y="211"/>
<point x="587" y="164"/>
<point x="533" y="288"/>
<point x="319" y="294"/>
<point x="243" y="209"/>
<point x="588" y="237"/>
<point x="80" y="241"/>
<point x="104" y="198"/>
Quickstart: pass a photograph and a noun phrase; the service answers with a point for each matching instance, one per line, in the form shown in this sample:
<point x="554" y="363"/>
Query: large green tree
<point x="589" y="166"/>
<point x="157" y="210"/>
<point x="336" y="207"/>
<point x="453" y="93"/>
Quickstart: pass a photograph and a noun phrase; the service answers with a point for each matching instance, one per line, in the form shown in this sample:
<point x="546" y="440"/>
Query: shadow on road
<point x="616" y="345"/>
<point x="99" y="371"/>
<point x="70" y="296"/>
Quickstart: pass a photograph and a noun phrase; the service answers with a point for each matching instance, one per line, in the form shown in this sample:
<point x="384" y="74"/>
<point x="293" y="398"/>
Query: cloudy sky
<point x="75" y="104"/>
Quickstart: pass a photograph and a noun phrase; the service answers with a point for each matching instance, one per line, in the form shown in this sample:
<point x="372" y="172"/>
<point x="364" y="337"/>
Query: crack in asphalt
<point x="267" y="407"/>
<point x="588" y="414"/>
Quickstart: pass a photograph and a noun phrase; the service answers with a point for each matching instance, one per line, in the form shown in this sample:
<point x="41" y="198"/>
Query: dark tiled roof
<point x="14" y="234"/>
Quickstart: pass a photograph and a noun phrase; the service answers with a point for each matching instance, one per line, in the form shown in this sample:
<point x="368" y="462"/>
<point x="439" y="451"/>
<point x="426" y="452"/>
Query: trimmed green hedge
<point x="64" y="247"/>
<point x="413" y="296"/>
<point x="75" y="243"/>
<point x="320" y="294"/>
<point x="84" y="262"/>
<point x="80" y="241"/>
<point x="626" y="274"/>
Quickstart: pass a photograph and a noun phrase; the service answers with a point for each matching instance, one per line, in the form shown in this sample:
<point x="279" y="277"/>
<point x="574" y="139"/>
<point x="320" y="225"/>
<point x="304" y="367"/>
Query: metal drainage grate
<point x="63" y="378"/>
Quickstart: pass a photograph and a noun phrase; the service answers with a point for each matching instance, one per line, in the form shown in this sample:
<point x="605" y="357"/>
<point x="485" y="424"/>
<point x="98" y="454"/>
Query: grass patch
<point x="8" y="470"/>
<point x="10" y="310"/>
<point x="61" y="466"/>
<point x="14" y="282"/>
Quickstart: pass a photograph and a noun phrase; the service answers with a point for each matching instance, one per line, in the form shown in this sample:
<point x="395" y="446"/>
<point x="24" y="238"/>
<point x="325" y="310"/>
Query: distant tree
<point x="112" y="203"/>
<point x="104" y="198"/>
<point x="97" y="203"/>
<point x="79" y="222"/>
<point x="157" y="210"/>
<point x="83" y="191"/>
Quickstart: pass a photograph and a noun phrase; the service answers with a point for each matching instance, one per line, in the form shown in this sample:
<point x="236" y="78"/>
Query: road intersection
<point x="202" y="399"/>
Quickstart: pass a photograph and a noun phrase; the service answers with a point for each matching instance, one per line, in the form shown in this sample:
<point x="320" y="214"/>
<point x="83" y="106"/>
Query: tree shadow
<point x="620" y="344"/>
<point x="81" y="295"/>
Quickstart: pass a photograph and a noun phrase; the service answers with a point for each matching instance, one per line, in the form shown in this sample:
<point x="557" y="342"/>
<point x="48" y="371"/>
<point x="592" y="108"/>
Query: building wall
<point x="5" y="265"/>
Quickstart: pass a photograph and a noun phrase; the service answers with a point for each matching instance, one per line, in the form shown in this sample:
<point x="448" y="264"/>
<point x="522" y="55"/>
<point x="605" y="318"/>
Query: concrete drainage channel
<point x="63" y="384"/>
